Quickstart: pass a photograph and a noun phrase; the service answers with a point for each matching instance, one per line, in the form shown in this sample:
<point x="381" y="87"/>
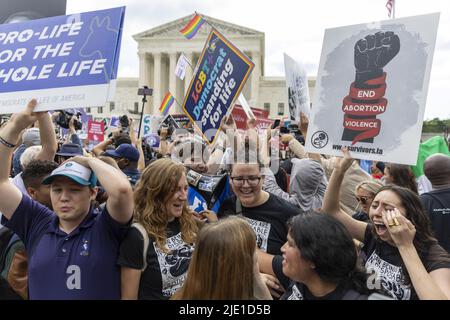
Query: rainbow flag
<point x="167" y="103"/>
<point x="191" y="29"/>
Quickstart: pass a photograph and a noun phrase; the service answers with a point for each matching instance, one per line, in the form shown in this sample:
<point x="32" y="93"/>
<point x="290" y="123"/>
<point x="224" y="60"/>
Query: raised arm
<point x="330" y="203"/>
<point x="137" y="142"/>
<point x="48" y="137"/>
<point x="120" y="194"/>
<point x="9" y="137"/>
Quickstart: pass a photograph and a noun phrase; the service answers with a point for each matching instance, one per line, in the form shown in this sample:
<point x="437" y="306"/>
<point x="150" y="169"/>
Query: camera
<point x="145" y="91"/>
<point x="124" y="121"/>
<point x="64" y="117"/>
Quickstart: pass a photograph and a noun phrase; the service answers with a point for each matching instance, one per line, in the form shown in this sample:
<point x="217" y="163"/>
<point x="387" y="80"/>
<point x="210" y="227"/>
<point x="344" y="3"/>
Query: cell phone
<point x="275" y="124"/>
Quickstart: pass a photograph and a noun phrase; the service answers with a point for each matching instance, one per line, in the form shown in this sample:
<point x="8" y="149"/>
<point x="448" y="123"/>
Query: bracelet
<point x="6" y="143"/>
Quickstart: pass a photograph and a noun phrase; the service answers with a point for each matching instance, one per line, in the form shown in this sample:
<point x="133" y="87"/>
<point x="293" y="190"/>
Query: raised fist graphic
<point x="366" y="95"/>
<point x="373" y="53"/>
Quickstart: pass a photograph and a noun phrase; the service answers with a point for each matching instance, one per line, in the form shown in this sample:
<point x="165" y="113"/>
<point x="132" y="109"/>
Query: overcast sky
<point x="292" y="26"/>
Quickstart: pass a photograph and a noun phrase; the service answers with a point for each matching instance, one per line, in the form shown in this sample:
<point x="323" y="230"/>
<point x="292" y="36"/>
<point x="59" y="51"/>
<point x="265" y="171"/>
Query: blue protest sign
<point x="152" y="139"/>
<point x="65" y="62"/>
<point x="222" y="71"/>
<point x="114" y="123"/>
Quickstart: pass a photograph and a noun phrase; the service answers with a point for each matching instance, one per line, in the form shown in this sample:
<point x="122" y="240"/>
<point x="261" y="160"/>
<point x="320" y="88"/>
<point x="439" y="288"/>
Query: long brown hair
<point x="424" y="240"/>
<point x="402" y="176"/>
<point x="222" y="266"/>
<point x="156" y="185"/>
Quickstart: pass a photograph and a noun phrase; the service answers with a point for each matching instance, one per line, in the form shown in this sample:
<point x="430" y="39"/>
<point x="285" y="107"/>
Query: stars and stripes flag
<point x="390" y="5"/>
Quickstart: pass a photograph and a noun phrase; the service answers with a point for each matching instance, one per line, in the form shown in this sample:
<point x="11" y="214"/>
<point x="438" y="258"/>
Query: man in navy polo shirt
<point x="73" y="249"/>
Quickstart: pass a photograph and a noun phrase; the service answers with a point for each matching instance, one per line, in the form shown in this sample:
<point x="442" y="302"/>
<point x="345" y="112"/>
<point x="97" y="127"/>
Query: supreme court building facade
<point x="158" y="51"/>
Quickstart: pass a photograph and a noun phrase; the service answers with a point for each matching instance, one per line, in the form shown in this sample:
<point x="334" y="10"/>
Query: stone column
<point x="256" y="73"/>
<point x="143" y="69"/>
<point x="157" y="82"/>
<point x="173" y="78"/>
<point x="189" y="73"/>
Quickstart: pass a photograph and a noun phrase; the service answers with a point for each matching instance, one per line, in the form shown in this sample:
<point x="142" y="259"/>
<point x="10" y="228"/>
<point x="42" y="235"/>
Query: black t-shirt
<point x="384" y="266"/>
<point x="437" y="204"/>
<point x="298" y="291"/>
<point x="165" y="272"/>
<point x="267" y="220"/>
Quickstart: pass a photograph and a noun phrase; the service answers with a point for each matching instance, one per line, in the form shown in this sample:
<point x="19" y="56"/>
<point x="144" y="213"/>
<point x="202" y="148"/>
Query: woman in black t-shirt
<point x="403" y="258"/>
<point x="161" y="210"/>
<point x="319" y="261"/>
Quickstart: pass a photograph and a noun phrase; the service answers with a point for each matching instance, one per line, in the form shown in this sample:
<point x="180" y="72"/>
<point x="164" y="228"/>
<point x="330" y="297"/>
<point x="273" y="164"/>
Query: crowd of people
<point x="231" y="220"/>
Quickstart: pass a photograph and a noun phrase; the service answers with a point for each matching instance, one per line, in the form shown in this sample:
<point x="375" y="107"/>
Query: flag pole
<point x="393" y="9"/>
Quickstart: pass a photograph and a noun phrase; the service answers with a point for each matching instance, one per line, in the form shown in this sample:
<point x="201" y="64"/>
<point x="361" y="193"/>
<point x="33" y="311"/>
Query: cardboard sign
<point x="96" y="130"/>
<point x="222" y="71"/>
<point x="64" y="62"/>
<point x="298" y="90"/>
<point x="371" y="89"/>
<point x="150" y="124"/>
<point x="240" y="117"/>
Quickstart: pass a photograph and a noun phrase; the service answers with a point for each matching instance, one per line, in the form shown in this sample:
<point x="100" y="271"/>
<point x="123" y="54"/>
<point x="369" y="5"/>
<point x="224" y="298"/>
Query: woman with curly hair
<point x="167" y="243"/>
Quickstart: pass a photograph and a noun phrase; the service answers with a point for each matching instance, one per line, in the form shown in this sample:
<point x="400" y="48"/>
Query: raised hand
<point x="304" y="123"/>
<point x="27" y="117"/>
<point x="344" y="163"/>
<point x="402" y="231"/>
<point x="373" y="53"/>
<point x="228" y="123"/>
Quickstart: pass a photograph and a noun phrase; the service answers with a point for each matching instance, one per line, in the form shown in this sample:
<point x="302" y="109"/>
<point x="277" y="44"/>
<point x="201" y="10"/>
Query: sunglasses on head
<point x="362" y="199"/>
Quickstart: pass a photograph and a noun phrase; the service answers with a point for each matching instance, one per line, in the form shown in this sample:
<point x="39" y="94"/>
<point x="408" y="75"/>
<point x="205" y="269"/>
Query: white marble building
<point x="158" y="51"/>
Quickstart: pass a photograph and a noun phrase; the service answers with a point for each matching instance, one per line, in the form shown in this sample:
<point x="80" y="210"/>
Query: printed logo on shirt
<point x="85" y="248"/>
<point x="296" y="294"/>
<point x="391" y="277"/>
<point x="262" y="230"/>
<point x="173" y="265"/>
<point x="442" y="211"/>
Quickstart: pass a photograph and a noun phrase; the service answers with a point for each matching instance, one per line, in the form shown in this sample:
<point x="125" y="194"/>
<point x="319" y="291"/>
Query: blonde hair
<point x="157" y="184"/>
<point x="222" y="265"/>
<point x="28" y="155"/>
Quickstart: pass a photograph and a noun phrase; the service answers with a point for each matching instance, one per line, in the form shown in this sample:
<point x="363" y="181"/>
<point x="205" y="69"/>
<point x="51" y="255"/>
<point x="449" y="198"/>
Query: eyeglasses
<point x="252" y="181"/>
<point x="362" y="199"/>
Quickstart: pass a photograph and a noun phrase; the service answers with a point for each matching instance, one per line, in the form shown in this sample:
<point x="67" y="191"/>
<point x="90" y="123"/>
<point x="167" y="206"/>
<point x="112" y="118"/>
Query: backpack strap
<point x="5" y="241"/>
<point x="146" y="240"/>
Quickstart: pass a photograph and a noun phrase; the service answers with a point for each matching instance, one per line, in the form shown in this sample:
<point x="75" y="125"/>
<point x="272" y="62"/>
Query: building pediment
<point x="172" y="29"/>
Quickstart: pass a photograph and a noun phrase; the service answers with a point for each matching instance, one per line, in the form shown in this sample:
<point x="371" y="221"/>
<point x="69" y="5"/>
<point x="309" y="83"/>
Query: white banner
<point x="371" y="89"/>
<point x="180" y="69"/>
<point x="298" y="91"/>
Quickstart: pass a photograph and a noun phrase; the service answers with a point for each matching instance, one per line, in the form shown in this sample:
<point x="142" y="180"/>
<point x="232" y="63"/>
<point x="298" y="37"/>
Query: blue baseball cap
<point x="74" y="171"/>
<point x="125" y="150"/>
<point x="70" y="150"/>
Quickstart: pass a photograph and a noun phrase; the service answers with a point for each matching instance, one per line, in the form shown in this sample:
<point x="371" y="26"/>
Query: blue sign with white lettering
<point x="222" y="71"/>
<point x="64" y="62"/>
